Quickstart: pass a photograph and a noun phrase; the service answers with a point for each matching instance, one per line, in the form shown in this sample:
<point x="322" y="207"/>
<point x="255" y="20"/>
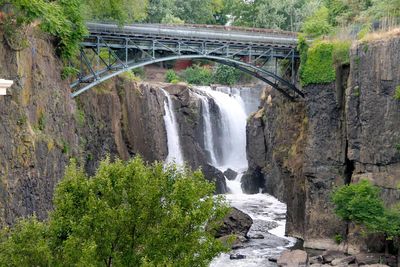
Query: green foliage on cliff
<point x="360" y="203"/>
<point x="318" y="67"/>
<point x="127" y="214"/>
<point x="62" y="19"/>
<point x="319" y="59"/>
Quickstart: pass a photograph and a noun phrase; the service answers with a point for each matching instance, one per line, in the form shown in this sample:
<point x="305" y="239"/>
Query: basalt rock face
<point x="37" y="129"/>
<point x="122" y="119"/>
<point x="339" y="133"/>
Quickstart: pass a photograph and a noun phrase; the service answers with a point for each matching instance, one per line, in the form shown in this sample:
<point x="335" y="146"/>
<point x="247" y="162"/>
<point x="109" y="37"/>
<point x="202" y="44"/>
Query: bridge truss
<point x="105" y="55"/>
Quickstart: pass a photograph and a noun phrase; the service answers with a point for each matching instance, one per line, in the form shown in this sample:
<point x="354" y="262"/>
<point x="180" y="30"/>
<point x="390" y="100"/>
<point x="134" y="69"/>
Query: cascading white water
<point x="233" y="129"/>
<point x="208" y="135"/>
<point x="171" y="125"/>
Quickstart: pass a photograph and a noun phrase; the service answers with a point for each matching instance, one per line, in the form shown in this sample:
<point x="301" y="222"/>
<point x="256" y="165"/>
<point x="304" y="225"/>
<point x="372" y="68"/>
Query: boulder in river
<point x="237" y="256"/>
<point x="236" y="222"/>
<point x="230" y="174"/>
<point x="293" y="258"/>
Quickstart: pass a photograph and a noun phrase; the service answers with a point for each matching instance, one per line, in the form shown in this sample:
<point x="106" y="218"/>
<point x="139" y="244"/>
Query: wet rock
<point x="271" y="259"/>
<point x="369" y="258"/>
<point x="230" y="174"/>
<point x="343" y="261"/>
<point x="316" y="259"/>
<point x="237" y="256"/>
<point x="236" y="222"/>
<point x="293" y="258"/>
<point x="257" y="236"/>
<point x="214" y="175"/>
<point x="330" y="255"/>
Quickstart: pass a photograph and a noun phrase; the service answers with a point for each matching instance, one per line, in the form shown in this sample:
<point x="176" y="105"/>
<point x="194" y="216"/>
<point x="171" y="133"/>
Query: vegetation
<point x="318" y="67"/>
<point x="360" y="203"/>
<point x="226" y="75"/>
<point x="198" y="75"/>
<point x="127" y="214"/>
<point x="62" y="19"/>
<point x="397" y="93"/>
<point x="171" y="76"/>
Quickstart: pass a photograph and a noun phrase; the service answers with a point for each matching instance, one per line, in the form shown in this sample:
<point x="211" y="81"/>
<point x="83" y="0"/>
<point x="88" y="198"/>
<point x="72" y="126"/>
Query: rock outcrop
<point x="235" y="222"/>
<point x="339" y="133"/>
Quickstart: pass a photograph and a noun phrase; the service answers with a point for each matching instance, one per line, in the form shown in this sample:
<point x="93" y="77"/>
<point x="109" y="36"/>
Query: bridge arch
<point x="282" y="85"/>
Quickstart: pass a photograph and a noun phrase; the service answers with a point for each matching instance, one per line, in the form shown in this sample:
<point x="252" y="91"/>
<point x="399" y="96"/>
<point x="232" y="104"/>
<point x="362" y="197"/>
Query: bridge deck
<point x="219" y="34"/>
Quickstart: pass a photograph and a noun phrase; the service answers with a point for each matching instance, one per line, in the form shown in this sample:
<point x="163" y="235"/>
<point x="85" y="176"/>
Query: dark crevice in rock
<point x="349" y="167"/>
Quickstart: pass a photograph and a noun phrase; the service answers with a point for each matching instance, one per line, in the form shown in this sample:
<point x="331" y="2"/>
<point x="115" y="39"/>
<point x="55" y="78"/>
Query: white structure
<point x="4" y="84"/>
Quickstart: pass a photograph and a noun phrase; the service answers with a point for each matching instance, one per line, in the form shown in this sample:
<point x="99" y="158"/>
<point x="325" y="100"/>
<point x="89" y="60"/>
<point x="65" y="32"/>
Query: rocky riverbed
<point x="266" y="238"/>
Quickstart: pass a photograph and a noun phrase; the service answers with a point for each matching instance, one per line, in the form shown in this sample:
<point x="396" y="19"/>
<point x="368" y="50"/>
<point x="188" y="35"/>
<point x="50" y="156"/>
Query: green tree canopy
<point x="127" y="214"/>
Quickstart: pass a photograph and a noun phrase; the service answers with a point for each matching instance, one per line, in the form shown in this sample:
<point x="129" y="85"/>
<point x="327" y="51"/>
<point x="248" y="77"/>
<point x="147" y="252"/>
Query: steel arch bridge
<point x="110" y="50"/>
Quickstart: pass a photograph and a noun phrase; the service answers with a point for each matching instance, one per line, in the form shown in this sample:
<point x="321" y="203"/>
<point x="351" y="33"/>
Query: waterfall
<point x="232" y="138"/>
<point x="208" y="135"/>
<point x="171" y="125"/>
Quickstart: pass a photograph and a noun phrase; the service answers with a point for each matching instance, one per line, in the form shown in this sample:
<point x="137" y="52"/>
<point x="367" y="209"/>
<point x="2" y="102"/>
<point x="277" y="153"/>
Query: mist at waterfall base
<point x="224" y="143"/>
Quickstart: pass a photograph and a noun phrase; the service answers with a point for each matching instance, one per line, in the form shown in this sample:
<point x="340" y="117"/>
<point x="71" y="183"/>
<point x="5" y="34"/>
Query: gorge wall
<point x="339" y="133"/>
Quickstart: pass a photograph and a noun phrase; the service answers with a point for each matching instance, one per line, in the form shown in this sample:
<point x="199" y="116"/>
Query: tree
<point x="25" y="245"/>
<point x="359" y="203"/>
<point x="122" y="11"/>
<point x="127" y="214"/>
<point x="317" y="24"/>
<point x="159" y="10"/>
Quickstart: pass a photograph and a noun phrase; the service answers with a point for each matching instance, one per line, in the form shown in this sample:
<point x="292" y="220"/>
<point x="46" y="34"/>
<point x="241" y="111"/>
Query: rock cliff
<point x="339" y="133"/>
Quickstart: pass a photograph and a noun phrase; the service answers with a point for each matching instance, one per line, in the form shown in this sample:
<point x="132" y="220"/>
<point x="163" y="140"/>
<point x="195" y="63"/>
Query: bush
<point x="226" y="75"/>
<point x="198" y="75"/>
<point x="318" y="67"/>
<point x="171" y="76"/>
<point x="318" y="60"/>
<point x="127" y="214"/>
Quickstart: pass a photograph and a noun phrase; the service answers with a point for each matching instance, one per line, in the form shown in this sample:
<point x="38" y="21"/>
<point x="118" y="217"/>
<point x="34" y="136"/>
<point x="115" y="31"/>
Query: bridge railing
<point x="199" y="32"/>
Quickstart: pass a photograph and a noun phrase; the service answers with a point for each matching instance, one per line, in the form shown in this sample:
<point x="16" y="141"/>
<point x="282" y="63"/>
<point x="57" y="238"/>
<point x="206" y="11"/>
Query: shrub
<point x="226" y="75"/>
<point x="139" y="72"/>
<point x="171" y="76"/>
<point x="341" y="52"/>
<point x="319" y="59"/>
<point x="318" y="66"/>
<point x="198" y="75"/>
